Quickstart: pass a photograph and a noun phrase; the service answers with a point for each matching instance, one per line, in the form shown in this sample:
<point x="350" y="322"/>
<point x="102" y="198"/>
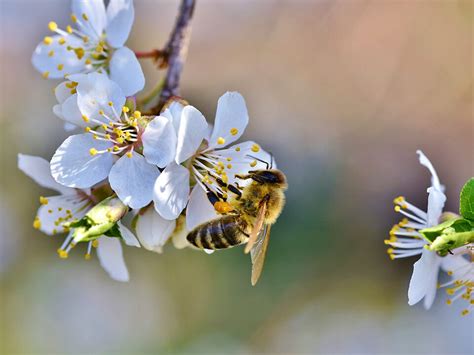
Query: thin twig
<point x="176" y="50"/>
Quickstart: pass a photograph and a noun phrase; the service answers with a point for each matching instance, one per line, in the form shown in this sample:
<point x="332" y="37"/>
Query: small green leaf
<point x="466" y="203"/>
<point x="446" y="242"/>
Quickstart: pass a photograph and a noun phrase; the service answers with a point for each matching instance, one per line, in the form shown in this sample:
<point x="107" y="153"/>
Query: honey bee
<point x="247" y="218"/>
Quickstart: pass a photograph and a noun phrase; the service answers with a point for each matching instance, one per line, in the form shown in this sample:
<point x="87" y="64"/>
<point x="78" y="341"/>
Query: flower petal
<point x="126" y="71"/>
<point x="56" y="210"/>
<point x="434" y="177"/>
<point x="94" y="10"/>
<point x="54" y="61"/>
<point x="231" y="120"/>
<point x="153" y="230"/>
<point x="72" y="165"/>
<point x="171" y="191"/>
<point x="423" y="283"/>
<point x="95" y="92"/>
<point x="199" y="209"/>
<point x="69" y="111"/>
<point x="120" y="15"/>
<point x="192" y="130"/>
<point x="127" y="236"/>
<point x="173" y="113"/>
<point x="133" y="180"/>
<point x="38" y="169"/>
<point x="180" y="233"/>
<point x="159" y="141"/>
<point x="110" y="256"/>
<point x="436" y="200"/>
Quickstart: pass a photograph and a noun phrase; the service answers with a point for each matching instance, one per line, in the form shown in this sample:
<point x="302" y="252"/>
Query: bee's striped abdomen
<point x="220" y="233"/>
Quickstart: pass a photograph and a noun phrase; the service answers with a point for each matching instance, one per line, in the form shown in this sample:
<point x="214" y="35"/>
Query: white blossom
<point x="94" y="42"/>
<point x="68" y="206"/>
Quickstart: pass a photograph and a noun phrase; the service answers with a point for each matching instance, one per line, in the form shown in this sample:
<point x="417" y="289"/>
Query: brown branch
<point x="175" y="51"/>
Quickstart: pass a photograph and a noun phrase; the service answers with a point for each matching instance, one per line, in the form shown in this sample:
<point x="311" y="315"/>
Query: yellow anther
<point x="220" y="140"/>
<point x="225" y="179"/>
<point x="69" y="29"/>
<point x="234" y="131"/>
<point x="85" y="118"/>
<point x="129" y="154"/>
<point x="125" y="109"/>
<point x="220" y="164"/>
<point x="87" y="256"/>
<point x="229" y="159"/>
<point x="116" y="149"/>
<point x="45" y="74"/>
<point x="399" y="200"/>
<point x="449" y="302"/>
<point x="120" y="140"/>
<point x="60" y="67"/>
<point x="110" y="103"/>
<point x="37" y="223"/>
<point x="61" y="41"/>
<point x="107" y="136"/>
<point x="101" y="112"/>
<point x="87" y="129"/>
<point x="450" y="273"/>
<point x="79" y="52"/>
<point x="93" y="151"/>
<point x="95" y="136"/>
<point x="397" y="208"/>
<point x="229" y="166"/>
<point x="50" y="53"/>
<point x="85" y="39"/>
<point x="255" y="148"/>
<point x="95" y="243"/>
<point x="47" y="40"/>
<point x="137" y="114"/>
<point x="43" y="200"/>
<point x="50" y="211"/>
<point x="109" y="150"/>
<point x="84" y="16"/>
<point x="73" y="18"/>
<point x="237" y="149"/>
<point x="253" y="164"/>
<point x="465" y="312"/>
<point x="104" y="126"/>
<point x="99" y="48"/>
<point x="53" y="26"/>
<point x="63" y="254"/>
<point x="88" y="61"/>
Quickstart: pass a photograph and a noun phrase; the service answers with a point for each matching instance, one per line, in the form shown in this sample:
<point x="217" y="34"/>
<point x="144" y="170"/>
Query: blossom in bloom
<point x="56" y="212"/>
<point x="94" y="42"/>
<point x="111" y="146"/>
<point x="195" y="156"/>
<point x="406" y="240"/>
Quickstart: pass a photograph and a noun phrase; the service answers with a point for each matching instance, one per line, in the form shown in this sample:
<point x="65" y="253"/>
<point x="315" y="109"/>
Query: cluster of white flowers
<point x="406" y="241"/>
<point x="162" y="168"/>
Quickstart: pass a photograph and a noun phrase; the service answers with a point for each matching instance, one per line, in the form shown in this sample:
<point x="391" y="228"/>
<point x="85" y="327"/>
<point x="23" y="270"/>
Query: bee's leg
<point x="211" y="196"/>
<point x="230" y="187"/>
<point x="243" y="177"/>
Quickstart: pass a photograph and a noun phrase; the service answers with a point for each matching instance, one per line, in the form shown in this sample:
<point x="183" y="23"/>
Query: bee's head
<point x="272" y="177"/>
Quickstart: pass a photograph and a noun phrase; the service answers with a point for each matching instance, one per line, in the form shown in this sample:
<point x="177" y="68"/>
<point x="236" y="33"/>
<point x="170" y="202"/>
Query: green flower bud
<point x="101" y="219"/>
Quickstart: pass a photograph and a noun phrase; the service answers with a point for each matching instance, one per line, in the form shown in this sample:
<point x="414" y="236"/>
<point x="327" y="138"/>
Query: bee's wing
<point x="258" y="253"/>
<point x="257" y="227"/>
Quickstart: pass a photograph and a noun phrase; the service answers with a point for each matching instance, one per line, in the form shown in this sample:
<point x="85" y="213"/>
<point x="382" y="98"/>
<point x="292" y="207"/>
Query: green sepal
<point x="451" y="226"/>
<point x="466" y="200"/>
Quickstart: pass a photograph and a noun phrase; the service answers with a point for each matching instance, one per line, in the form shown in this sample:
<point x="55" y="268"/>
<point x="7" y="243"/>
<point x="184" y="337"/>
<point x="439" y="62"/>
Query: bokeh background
<point x="343" y="93"/>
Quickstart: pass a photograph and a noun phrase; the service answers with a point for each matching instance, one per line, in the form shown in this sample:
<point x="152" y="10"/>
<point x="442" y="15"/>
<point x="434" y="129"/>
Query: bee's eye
<point x="267" y="176"/>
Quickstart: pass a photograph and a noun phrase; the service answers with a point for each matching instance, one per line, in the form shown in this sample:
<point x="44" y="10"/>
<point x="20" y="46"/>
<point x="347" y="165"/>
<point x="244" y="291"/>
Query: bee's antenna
<point x="260" y="160"/>
<point x="271" y="160"/>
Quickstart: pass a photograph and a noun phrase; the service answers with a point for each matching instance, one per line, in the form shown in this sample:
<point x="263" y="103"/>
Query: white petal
<point x="73" y="165"/>
<point x="173" y="112"/>
<point x="243" y="158"/>
<point x="231" y="113"/>
<point x="120" y="14"/>
<point x="199" y="209"/>
<point x="159" y="141"/>
<point x="171" y="191"/>
<point x="52" y="214"/>
<point x="133" y="180"/>
<point x="110" y="256"/>
<point x="62" y="92"/>
<point x="153" y="231"/>
<point x="436" y="200"/>
<point x="434" y="177"/>
<point x="38" y="169"/>
<point x="192" y="130"/>
<point x="424" y="279"/>
<point x="44" y="62"/>
<point x="70" y="111"/>
<point x="127" y="236"/>
<point x="68" y="127"/>
<point x="95" y="12"/>
<point x="180" y="233"/>
<point x="126" y="71"/>
<point x="94" y="94"/>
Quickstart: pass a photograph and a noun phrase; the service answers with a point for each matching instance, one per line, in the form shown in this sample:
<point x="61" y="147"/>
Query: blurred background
<point x="343" y="93"/>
